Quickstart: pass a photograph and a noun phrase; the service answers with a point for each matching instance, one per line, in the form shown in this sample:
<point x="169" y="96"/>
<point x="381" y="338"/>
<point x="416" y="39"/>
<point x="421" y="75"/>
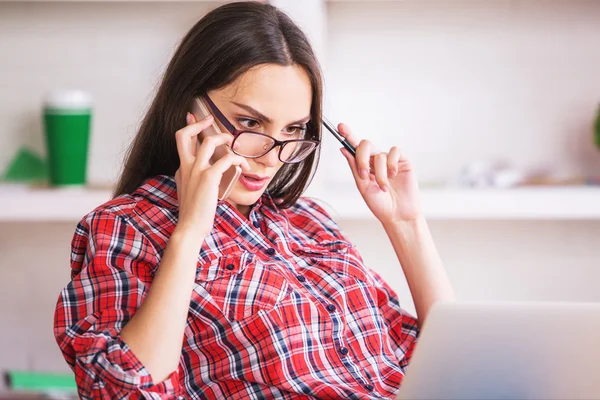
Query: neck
<point x="244" y="210"/>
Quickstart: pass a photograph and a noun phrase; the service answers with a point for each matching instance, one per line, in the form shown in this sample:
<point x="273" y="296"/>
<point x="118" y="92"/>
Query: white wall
<point x="453" y="81"/>
<point x="449" y="81"/>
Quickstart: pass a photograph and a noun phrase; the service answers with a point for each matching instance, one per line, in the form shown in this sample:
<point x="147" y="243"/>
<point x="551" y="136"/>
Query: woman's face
<point x="269" y="99"/>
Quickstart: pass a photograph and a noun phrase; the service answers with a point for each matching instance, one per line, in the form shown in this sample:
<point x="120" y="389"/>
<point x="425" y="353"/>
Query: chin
<point x="243" y="197"/>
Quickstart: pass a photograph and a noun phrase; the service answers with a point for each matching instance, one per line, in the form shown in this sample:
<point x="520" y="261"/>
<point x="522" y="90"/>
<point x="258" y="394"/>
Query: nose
<point x="270" y="159"/>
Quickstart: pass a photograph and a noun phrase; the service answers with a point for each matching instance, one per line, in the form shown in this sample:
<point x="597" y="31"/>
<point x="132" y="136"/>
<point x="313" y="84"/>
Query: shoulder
<point x="147" y="214"/>
<point x="154" y="195"/>
<point x="103" y="220"/>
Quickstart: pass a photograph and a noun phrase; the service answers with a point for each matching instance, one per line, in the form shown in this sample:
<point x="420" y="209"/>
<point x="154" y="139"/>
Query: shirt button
<point x="331" y="307"/>
<point x="301" y="278"/>
<point x="370" y="388"/>
<point x="230" y="267"/>
<point x="344" y="350"/>
<point x="271" y="251"/>
<point x="256" y="224"/>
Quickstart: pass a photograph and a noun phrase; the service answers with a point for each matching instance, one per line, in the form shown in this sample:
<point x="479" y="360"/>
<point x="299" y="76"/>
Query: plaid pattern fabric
<point x="282" y="307"/>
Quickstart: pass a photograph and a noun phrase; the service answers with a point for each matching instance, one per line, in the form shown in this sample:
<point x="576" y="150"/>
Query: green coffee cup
<point x="67" y="121"/>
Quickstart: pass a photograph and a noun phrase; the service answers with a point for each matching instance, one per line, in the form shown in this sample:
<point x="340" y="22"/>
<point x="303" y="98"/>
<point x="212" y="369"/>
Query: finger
<point x="225" y="162"/>
<point x="392" y="160"/>
<point x="346" y="132"/>
<point x="208" y="146"/>
<point x="190" y="118"/>
<point x="381" y="173"/>
<point x="185" y="145"/>
<point x="363" y="158"/>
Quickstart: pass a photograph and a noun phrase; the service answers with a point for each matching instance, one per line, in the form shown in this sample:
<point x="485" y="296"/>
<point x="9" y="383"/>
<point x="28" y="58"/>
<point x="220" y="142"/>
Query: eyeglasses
<point x="251" y="144"/>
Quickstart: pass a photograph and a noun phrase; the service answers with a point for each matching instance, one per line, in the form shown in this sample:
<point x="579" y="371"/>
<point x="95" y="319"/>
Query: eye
<point x="296" y="130"/>
<point x="248" y="123"/>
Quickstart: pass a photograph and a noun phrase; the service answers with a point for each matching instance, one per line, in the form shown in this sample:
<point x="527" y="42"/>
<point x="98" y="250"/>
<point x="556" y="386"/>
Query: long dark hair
<point x="224" y="44"/>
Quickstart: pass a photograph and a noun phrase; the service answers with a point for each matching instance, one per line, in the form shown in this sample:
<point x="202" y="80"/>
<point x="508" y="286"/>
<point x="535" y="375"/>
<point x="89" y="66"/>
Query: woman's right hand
<point x="197" y="180"/>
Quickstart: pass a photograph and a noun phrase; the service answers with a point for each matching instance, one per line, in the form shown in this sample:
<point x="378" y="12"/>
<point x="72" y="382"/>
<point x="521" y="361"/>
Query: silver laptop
<point x="507" y="351"/>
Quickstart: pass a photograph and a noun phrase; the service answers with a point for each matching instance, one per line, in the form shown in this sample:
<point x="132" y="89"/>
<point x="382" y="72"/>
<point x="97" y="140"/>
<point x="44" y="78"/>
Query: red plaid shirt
<point x="282" y="307"/>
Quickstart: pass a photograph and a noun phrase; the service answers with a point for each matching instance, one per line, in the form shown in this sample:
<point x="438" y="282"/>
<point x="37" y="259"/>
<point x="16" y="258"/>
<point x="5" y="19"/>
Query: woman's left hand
<point x="390" y="187"/>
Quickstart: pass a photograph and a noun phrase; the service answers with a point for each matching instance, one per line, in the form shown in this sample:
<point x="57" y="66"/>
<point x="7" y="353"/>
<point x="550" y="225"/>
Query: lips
<point x="253" y="182"/>
<point x="256" y="177"/>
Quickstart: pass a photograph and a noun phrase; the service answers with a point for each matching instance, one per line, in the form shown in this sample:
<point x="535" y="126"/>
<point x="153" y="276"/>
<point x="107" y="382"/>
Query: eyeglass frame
<point x="237" y="132"/>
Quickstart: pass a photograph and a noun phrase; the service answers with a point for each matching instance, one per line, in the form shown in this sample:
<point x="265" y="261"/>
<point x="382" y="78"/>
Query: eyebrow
<point x="263" y="117"/>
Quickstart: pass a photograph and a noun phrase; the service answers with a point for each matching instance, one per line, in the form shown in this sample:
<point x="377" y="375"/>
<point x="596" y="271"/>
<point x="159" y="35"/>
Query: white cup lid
<point x="68" y="99"/>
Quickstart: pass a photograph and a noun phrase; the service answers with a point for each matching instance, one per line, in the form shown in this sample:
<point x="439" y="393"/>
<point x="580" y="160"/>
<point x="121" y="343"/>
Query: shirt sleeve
<point x="112" y="265"/>
<point x="402" y="326"/>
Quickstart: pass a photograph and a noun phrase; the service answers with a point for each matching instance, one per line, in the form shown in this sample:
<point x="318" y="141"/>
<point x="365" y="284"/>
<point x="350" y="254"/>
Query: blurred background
<point x="494" y="101"/>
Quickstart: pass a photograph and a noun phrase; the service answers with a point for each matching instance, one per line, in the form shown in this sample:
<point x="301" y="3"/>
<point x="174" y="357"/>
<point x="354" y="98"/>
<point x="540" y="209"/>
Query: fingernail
<point x="384" y="188"/>
<point x="188" y="118"/>
<point x="364" y="173"/>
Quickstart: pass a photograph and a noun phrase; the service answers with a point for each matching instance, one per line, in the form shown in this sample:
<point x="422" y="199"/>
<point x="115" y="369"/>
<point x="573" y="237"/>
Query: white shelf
<point x="70" y="205"/>
<point x="48" y="205"/>
<point x="568" y="203"/>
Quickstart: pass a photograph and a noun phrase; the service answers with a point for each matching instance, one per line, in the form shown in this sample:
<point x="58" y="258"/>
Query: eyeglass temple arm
<point x="219" y="115"/>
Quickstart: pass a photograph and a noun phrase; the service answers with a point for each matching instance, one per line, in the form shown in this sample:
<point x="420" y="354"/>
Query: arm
<point x="113" y="264"/>
<point x="422" y="266"/>
<point x="155" y="333"/>
<point x="389" y="187"/>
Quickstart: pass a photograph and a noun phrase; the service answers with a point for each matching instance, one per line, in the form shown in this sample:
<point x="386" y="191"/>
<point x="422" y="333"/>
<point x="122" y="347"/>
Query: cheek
<point x="278" y="167"/>
<point x="272" y="171"/>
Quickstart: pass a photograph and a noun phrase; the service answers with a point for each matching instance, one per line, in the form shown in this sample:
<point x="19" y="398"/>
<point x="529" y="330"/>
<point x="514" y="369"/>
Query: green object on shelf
<point x="26" y="166"/>
<point x="67" y="139"/>
<point x="41" y="382"/>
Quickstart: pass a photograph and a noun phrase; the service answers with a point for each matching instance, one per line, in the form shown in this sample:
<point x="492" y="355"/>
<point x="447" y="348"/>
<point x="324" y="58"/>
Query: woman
<point x="175" y="294"/>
